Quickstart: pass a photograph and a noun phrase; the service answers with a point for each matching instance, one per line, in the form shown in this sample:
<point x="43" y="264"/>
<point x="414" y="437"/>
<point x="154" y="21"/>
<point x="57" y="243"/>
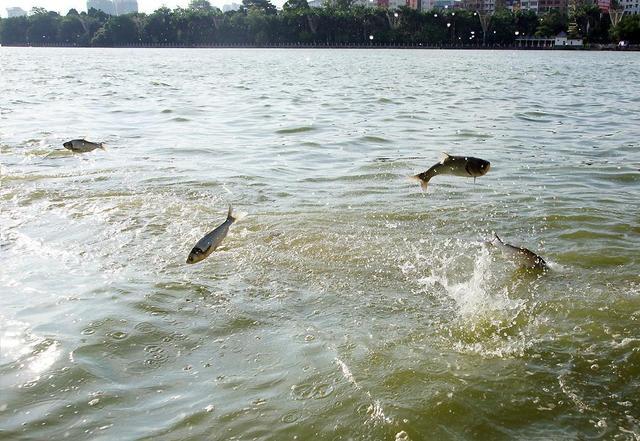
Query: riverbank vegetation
<point x="258" y="22"/>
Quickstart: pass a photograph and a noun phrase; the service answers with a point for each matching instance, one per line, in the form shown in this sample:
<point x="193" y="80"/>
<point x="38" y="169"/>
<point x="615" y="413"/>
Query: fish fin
<point x="423" y="182"/>
<point x="230" y="214"/>
<point x="443" y="157"/>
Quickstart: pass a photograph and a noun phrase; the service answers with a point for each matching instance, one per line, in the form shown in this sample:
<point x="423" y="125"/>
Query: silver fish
<point x="456" y="166"/>
<point x="211" y="241"/>
<point x="82" y="145"/>
<point x="526" y="257"/>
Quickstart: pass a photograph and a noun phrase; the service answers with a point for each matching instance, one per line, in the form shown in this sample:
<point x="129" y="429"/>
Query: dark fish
<point x="456" y="166"/>
<point x="82" y="145"/>
<point x="211" y="241"/>
<point x="526" y="257"/>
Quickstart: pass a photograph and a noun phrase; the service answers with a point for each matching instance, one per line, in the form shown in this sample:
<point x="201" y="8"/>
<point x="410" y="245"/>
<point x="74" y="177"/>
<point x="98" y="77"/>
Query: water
<point x="347" y="304"/>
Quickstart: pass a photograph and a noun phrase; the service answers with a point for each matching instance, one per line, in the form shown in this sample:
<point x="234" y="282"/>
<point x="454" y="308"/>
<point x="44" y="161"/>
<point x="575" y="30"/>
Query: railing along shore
<point x="597" y="47"/>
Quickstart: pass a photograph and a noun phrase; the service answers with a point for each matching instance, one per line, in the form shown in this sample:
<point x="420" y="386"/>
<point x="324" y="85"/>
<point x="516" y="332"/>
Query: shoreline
<point x="590" y="48"/>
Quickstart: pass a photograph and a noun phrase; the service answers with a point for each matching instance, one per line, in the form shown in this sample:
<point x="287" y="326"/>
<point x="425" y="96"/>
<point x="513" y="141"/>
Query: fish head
<point x="67" y="144"/>
<point x="196" y="255"/>
<point x="477" y="166"/>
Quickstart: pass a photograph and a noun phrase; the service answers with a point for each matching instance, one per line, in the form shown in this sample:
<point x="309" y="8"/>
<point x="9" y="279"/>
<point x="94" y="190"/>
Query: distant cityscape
<point x="16" y="12"/>
<point x="111" y="7"/>
<point x="629" y="7"/>
<point x="115" y="7"/>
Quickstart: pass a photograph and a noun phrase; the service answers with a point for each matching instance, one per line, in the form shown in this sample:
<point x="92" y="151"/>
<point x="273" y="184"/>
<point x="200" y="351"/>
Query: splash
<point x="476" y="298"/>
<point x="347" y="373"/>
<point x="20" y="346"/>
<point x="487" y="321"/>
<point x="375" y="412"/>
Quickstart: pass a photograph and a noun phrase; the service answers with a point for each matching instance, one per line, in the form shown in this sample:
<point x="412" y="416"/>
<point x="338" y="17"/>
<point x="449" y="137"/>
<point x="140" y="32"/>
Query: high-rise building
<point x="481" y="6"/>
<point x="394" y="4"/>
<point x="126" y="6"/>
<point x="545" y="6"/>
<point x="630" y="7"/>
<point x="370" y="3"/>
<point x="237" y="6"/>
<point x="16" y="12"/>
<point x="528" y="5"/>
<point x="105" y="6"/>
<point x="114" y="7"/>
<point x="442" y="4"/>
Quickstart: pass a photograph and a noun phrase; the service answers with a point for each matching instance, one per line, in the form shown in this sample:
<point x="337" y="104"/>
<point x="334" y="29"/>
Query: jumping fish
<point x="211" y="241"/>
<point x="527" y="258"/>
<point x="82" y="145"/>
<point x="456" y="166"/>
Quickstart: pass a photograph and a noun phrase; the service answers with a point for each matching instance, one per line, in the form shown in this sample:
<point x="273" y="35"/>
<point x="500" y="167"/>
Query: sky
<point x="63" y="6"/>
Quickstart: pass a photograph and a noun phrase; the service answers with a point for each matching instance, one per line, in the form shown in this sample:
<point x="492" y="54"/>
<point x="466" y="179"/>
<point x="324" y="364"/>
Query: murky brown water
<point x="347" y="304"/>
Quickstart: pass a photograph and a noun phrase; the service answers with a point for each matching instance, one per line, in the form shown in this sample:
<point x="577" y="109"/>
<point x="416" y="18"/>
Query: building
<point x="427" y="5"/>
<point x="126" y="6"/>
<point x="630" y="7"/>
<point x="105" y="6"/>
<point x="395" y="4"/>
<point x="482" y="6"/>
<point x="604" y="5"/>
<point x="114" y="7"/>
<point x="370" y="3"/>
<point x="562" y="41"/>
<point x="16" y="12"/>
<point x="237" y="6"/>
<point x="545" y="6"/>
<point x="528" y="5"/>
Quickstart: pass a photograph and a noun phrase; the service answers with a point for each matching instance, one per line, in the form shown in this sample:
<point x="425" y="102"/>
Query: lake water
<point x="347" y="304"/>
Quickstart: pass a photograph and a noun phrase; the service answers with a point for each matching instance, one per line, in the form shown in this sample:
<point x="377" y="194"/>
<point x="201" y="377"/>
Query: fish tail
<point x="498" y="237"/>
<point x="423" y="178"/>
<point x="230" y="216"/>
<point x="102" y="146"/>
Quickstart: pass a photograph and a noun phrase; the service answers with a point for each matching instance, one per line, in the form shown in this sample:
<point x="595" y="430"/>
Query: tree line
<point x="258" y="22"/>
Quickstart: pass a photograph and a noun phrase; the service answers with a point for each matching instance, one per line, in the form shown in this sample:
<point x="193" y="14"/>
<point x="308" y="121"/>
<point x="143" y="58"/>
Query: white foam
<point x="475" y="298"/>
<point x="347" y="373"/>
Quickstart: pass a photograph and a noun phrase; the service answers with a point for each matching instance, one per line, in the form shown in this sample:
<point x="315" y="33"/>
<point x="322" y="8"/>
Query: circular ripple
<point x="117" y="335"/>
<point x="145" y="327"/>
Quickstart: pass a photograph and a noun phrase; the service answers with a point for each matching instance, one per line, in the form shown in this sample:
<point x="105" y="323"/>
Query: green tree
<point x="13" y="31"/>
<point x="340" y="4"/>
<point x="628" y="29"/>
<point x="592" y="24"/>
<point x="38" y="10"/>
<point x="121" y="30"/>
<point x="526" y="22"/>
<point x="201" y="5"/>
<point x="99" y="15"/>
<point x="71" y="30"/>
<point x="160" y="27"/>
<point x="259" y="5"/>
<point x="295" y="5"/>
<point x="503" y="28"/>
<point x="43" y="26"/>
<point x="195" y="26"/>
<point x="553" y="23"/>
